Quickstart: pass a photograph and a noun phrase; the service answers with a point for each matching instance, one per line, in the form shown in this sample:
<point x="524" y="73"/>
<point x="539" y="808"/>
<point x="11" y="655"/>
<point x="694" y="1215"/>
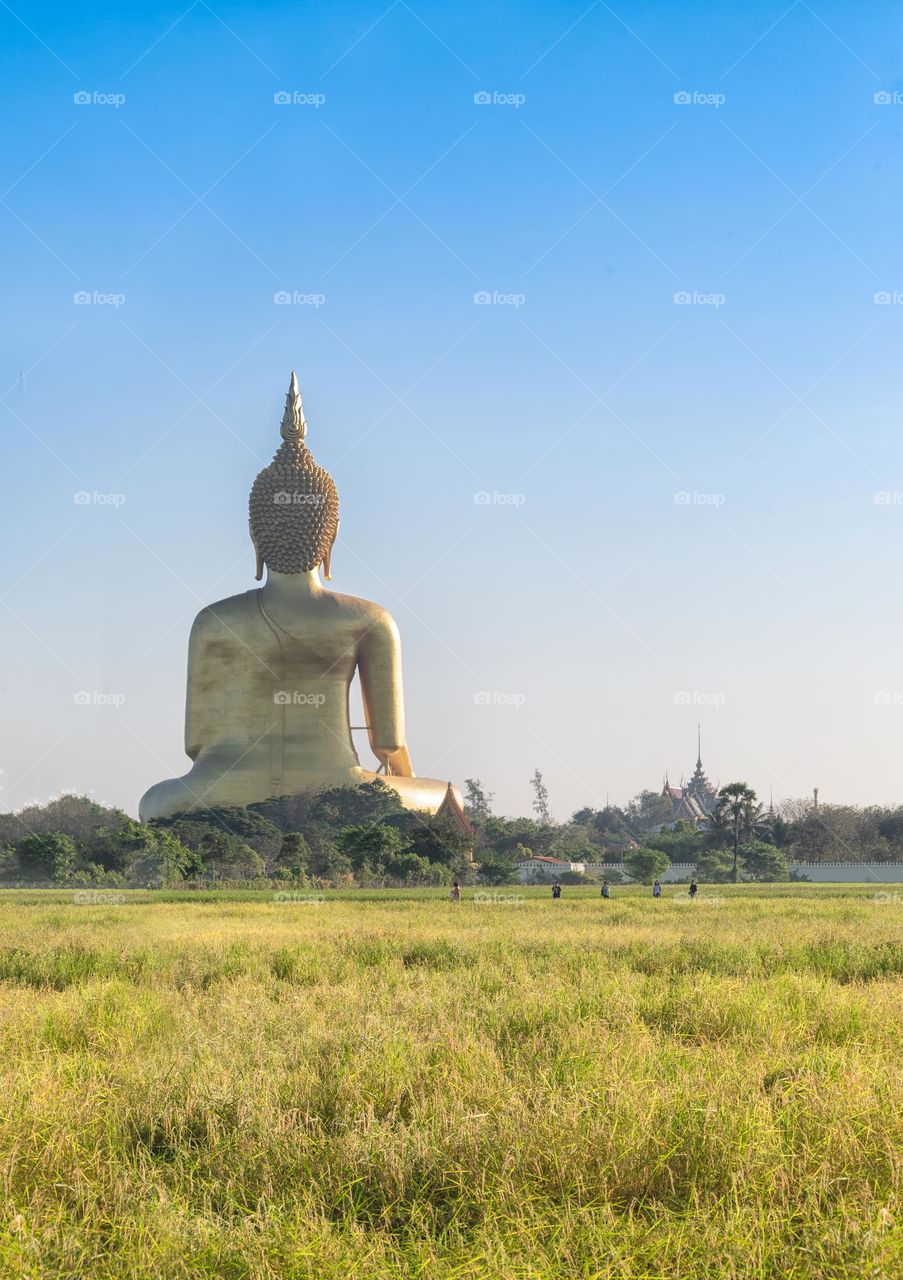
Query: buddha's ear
<point x="259" y="555"/>
<point x="327" y="559"/>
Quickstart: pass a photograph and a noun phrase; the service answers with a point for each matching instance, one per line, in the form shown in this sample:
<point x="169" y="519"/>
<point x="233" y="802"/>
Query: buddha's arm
<point x="379" y="664"/>
<point x="197" y="711"/>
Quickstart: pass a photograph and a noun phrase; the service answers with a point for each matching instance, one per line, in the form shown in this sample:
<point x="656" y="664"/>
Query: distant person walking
<point x="556" y="890"/>
<point x="694" y="888"/>
<point x="456" y="891"/>
<point x="656" y="890"/>
<point x="606" y="889"/>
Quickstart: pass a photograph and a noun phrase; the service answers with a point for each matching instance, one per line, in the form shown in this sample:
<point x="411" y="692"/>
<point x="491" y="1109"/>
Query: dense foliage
<point x="361" y="836"/>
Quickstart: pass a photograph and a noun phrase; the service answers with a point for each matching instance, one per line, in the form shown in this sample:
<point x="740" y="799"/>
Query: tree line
<point x="362" y="836"/>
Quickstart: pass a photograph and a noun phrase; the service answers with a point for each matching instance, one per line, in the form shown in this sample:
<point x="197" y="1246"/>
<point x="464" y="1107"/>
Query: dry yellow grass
<point x="402" y="1086"/>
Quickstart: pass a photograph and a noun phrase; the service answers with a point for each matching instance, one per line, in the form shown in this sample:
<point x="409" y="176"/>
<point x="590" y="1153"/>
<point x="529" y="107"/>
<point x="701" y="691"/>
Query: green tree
<point x="51" y="856"/>
<point x="646" y="865"/>
<point x="541" y="805"/>
<point x="762" y="861"/>
<point x="646" y="811"/>
<point x="371" y="846"/>
<point x="737" y="806"/>
<point x="294" y="856"/>
<point x="477" y="800"/>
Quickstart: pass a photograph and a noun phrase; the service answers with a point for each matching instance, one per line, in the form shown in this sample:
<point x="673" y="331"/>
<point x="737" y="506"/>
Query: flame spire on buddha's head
<point x="294" y="504"/>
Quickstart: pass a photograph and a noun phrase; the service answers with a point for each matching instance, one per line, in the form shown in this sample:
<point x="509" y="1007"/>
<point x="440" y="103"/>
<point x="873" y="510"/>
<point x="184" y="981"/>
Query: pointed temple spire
<point x="698" y="745"/>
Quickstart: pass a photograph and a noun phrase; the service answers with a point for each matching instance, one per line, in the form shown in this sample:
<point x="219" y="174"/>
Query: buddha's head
<point x="294" y="505"/>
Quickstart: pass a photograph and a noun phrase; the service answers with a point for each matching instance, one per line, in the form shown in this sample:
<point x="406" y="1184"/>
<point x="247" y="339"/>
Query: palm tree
<point x="737" y="806"/>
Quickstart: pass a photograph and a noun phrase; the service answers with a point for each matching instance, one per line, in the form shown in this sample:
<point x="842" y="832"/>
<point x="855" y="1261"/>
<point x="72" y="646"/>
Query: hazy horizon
<point x="597" y="317"/>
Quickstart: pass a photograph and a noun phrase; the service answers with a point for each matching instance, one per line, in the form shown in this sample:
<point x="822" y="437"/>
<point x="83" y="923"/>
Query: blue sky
<point x="696" y="506"/>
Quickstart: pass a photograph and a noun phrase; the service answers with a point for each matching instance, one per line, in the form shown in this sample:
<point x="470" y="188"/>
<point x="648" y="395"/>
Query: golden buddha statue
<point x="269" y="671"/>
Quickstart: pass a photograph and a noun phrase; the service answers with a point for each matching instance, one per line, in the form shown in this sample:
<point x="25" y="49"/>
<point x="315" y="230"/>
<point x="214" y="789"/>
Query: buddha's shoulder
<point x="229" y="613"/>
<point x="368" y="612"/>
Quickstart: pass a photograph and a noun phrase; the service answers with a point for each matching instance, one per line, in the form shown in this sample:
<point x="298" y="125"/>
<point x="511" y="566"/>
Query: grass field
<point x="396" y="1085"/>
